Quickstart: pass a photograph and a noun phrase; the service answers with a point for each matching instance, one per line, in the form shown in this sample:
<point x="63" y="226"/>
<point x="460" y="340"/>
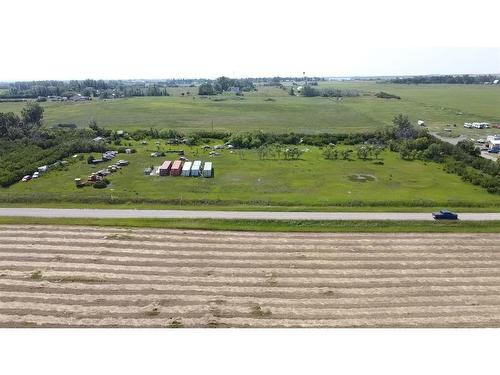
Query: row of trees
<point x="364" y="152"/>
<point x="451" y="79"/>
<point x="278" y="151"/>
<point x="310" y="91"/>
<point x="88" y="87"/>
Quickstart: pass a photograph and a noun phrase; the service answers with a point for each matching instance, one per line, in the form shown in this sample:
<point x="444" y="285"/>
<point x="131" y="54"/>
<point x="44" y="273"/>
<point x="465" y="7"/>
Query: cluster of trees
<point x="333" y="153"/>
<point x="463" y="159"/>
<point x="25" y="145"/>
<point x="223" y="84"/>
<point x="310" y="91"/>
<point x="386" y="95"/>
<point x="277" y="151"/>
<point x="364" y="152"/>
<point x="454" y="79"/>
<point x="14" y="127"/>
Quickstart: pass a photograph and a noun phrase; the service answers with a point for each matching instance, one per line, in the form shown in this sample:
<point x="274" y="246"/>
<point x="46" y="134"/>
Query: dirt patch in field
<point x="361" y="177"/>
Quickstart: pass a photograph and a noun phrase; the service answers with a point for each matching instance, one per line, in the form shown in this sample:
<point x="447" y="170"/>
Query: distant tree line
<point x="89" y="88"/>
<point x="451" y="79"/>
<point x="224" y="84"/>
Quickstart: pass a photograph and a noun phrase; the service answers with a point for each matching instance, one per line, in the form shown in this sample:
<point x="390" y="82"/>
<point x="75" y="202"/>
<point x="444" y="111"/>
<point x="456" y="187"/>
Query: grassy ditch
<point x="272" y="225"/>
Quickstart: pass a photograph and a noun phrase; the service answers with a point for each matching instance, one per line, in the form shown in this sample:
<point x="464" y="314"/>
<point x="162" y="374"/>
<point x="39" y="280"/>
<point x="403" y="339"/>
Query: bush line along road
<point x="249" y="215"/>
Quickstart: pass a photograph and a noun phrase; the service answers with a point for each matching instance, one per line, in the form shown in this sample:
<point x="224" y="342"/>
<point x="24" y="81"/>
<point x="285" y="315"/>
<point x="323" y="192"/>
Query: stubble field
<point x="63" y="276"/>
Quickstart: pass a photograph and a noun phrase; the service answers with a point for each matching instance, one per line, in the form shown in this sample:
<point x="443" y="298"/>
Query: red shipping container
<point x="165" y="168"/>
<point x="176" y="168"/>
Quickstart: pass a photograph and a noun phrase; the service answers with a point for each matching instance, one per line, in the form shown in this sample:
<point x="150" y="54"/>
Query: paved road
<point x="181" y="214"/>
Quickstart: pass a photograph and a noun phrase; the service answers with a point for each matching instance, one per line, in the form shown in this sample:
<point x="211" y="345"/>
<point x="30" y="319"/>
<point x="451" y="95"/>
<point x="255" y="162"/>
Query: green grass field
<point x="311" y="182"/>
<point x="439" y="105"/>
<point x="386" y="226"/>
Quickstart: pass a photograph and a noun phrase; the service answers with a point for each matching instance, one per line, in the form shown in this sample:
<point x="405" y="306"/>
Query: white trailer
<point x="186" y="169"/>
<point x="196" y="168"/>
<point x="208" y="170"/>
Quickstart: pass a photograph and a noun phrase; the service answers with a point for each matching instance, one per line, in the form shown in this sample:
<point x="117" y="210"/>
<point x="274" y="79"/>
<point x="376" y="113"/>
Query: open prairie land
<point x="273" y="110"/>
<point x="63" y="276"/>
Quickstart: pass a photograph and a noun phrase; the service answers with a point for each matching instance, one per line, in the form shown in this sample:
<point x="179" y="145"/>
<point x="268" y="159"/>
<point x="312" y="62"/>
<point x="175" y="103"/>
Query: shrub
<point x="385" y="95"/>
<point x="100" y="185"/>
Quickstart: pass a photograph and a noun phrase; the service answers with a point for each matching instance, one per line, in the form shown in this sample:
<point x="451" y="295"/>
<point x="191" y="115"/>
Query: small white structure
<point x="196" y="168"/>
<point x="207" y="169"/>
<point x="493" y="141"/>
<point x="421" y="123"/>
<point x="128" y="150"/>
<point x="186" y="169"/>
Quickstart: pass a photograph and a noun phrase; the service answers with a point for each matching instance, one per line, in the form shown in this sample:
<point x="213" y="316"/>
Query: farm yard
<point x="64" y="276"/>
<point x="243" y="180"/>
<point x="273" y="110"/>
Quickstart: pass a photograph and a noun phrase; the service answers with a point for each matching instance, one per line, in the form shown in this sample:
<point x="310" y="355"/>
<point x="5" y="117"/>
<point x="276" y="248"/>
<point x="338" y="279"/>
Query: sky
<point x="108" y="39"/>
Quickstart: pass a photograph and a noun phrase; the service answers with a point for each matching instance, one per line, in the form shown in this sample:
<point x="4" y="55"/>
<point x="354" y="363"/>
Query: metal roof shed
<point x="186" y="169"/>
<point x="196" y="168"/>
<point x="208" y="169"/>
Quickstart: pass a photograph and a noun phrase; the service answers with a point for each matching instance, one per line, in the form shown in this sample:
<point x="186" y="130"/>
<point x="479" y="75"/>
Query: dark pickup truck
<point x="445" y="215"/>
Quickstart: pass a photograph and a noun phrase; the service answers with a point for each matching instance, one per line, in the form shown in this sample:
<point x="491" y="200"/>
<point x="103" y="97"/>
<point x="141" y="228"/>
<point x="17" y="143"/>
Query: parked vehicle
<point x="35" y="175"/>
<point x="26" y="178"/>
<point x="444" y="215"/>
<point x="494" y="150"/>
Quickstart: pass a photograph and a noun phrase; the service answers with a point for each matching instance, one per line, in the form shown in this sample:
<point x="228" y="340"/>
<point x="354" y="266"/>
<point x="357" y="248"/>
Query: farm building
<point x="208" y="169"/>
<point x="176" y="168"/>
<point x="196" y="168"/>
<point x="186" y="169"/>
<point x="165" y="168"/>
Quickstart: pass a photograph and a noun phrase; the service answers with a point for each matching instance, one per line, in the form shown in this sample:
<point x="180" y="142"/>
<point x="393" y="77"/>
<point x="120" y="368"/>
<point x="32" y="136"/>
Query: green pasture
<point x="273" y="110"/>
<point x="244" y="180"/>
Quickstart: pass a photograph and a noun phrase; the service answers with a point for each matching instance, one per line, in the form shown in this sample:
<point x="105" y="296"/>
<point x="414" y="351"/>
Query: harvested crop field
<point x="74" y="276"/>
